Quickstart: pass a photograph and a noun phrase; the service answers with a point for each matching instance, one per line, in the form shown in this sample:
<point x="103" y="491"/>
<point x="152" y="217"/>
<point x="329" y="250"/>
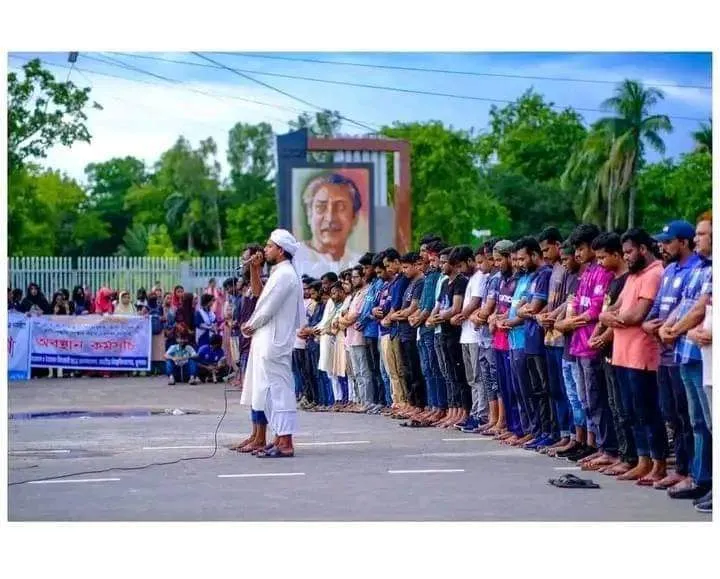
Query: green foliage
<point x="251" y="222"/>
<point x="42" y="113"/>
<point x="668" y="190"/>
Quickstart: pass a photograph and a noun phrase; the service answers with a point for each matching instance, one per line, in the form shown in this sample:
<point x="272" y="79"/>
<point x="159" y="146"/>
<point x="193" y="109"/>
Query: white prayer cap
<point x="285" y="240"/>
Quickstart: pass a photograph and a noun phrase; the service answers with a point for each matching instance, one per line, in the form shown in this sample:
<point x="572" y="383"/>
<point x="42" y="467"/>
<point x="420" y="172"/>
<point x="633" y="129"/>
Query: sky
<point x="148" y="103"/>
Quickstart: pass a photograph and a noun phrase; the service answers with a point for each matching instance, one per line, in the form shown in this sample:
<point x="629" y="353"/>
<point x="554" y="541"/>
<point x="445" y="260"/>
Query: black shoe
<point x="575" y="448"/>
<point x="582" y="453"/>
<point x="693" y="492"/>
<point x="703" y="499"/>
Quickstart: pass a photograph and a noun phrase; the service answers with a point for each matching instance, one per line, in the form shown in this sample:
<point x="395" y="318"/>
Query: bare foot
<point x="642" y="469"/>
<point x="669" y="481"/>
<point x="618" y="469"/>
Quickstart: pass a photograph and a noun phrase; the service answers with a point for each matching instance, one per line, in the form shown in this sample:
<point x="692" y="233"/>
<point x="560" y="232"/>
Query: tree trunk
<point x="190" y="240"/>
<point x="609" y="221"/>
<point x="631" y="207"/>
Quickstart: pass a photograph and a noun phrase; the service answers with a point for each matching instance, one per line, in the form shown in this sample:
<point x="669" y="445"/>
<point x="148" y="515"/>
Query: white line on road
<point x="73" y="480"/>
<point x="258" y="474"/>
<point x="567" y="468"/>
<point x="56" y="451"/>
<point x="466" y="438"/>
<point x="428" y="470"/>
<point x="332" y="443"/>
<point x="174" y="447"/>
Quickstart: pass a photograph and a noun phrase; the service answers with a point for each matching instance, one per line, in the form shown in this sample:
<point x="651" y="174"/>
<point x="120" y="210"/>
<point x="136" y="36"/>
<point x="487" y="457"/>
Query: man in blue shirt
<point x="518" y="360"/>
<point x="687" y="354"/>
<point x="211" y="360"/>
<point x="678" y="253"/>
<point x="434" y="381"/>
<point x="391" y="301"/>
<point x="369" y="326"/>
<point x="531" y="263"/>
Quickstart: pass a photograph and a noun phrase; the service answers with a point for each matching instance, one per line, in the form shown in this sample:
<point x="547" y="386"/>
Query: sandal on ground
<point x="570" y="481"/>
<point x="275" y="452"/>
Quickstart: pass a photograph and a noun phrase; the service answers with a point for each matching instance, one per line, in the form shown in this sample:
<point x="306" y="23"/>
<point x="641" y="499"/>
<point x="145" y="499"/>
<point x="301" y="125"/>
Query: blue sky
<point x="145" y="118"/>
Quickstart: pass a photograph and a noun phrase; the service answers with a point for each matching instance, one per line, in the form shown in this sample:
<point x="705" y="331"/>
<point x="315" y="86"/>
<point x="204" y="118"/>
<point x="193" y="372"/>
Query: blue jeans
<point x="674" y="408"/>
<point x="344" y="388"/>
<point x="558" y="398"/>
<point x="442" y="381"/>
<point x="507" y="393"/>
<point x="570" y="371"/>
<point x="326" y="389"/>
<point x="258" y="417"/>
<point x="701" y="469"/>
<point x="430" y="367"/>
<point x="189" y="370"/>
<point x="639" y="393"/>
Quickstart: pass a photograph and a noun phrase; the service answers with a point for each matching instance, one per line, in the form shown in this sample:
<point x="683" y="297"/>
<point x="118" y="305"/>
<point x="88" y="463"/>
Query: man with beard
<point x="682" y="260"/>
<point x="536" y="298"/>
<point x="636" y="356"/>
<point x="689" y="313"/>
<point x="550" y="244"/>
<point x="273" y="325"/>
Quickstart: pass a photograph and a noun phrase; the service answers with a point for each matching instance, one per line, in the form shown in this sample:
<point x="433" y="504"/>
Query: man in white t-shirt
<point x="469" y="341"/>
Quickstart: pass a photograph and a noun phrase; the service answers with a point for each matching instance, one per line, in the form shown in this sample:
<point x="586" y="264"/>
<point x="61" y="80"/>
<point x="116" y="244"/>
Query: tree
<point x="251" y="222"/>
<point x="48" y="215"/>
<point x="531" y="138"/>
<point x="324" y="124"/>
<point x="446" y="195"/>
<point x="703" y="138"/>
<point x="109" y="184"/>
<point x="189" y="179"/>
<point x="43" y="112"/>
<point x="675" y="190"/>
<point x="633" y="128"/>
<point x="251" y="160"/>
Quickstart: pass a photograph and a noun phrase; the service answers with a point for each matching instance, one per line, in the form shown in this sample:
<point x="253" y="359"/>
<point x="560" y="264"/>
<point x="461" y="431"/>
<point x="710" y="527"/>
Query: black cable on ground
<point x="141" y="467"/>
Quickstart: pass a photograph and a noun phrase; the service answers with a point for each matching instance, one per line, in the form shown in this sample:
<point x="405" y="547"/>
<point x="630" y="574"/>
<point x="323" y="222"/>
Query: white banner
<point x="91" y="342"/>
<point x="18" y="346"/>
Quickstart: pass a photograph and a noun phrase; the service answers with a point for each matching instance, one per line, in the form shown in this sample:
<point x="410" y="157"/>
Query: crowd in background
<point x="594" y="349"/>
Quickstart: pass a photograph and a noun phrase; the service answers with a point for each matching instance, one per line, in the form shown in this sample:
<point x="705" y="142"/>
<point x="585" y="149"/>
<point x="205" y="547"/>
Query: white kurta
<point x="326" y="341"/>
<point x="278" y="314"/>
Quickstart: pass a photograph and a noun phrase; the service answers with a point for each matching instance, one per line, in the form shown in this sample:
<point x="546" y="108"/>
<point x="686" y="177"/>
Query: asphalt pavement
<point x="347" y="467"/>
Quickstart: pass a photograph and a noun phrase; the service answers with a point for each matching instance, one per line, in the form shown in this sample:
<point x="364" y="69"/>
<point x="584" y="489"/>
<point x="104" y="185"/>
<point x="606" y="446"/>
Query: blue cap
<point x="676" y="230"/>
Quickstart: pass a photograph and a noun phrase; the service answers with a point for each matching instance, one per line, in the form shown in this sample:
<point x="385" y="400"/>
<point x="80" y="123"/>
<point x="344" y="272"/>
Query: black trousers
<point x="540" y="389"/>
<point x="373" y="358"/>
<point x="302" y="364"/>
<point x="459" y="393"/>
<point x="627" y="451"/>
<point x="312" y="357"/>
<point x="413" y="373"/>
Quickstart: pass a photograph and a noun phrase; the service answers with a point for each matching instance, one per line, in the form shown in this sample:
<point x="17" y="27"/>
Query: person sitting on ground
<point x="211" y="360"/>
<point x="124" y="307"/>
<point x="179" y="356"/>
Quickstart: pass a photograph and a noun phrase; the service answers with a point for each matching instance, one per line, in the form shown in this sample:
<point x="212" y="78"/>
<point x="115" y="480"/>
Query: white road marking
<point x="259" y="474"/>
<point x="481" y="439"/>
<point x="427" y="470"/>
<point x="174" y="447"/>
<point x="56" y="451"/>
<point x="333" y="443"/>
<point x="446" y="454"/>
<point x="72" y="480"/>
<point x="567" y="468"/>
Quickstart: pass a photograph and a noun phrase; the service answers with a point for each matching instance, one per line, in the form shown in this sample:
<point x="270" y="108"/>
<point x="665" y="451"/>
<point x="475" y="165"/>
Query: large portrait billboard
<point x="332" y="214"/>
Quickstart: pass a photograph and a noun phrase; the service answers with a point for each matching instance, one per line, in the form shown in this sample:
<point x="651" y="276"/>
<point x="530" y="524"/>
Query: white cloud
<point x="144" y="120"/>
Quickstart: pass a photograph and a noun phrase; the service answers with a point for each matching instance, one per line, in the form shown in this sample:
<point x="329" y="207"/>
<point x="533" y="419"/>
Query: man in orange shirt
<point x="636" y="357"/>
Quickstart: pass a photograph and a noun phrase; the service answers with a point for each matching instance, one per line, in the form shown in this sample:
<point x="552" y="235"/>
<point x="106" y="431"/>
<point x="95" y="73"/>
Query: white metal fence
<point x="118" y="273"/>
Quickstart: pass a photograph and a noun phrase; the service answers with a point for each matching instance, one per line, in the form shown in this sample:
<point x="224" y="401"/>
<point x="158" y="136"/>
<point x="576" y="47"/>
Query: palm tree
<point x="135" y="241"/>
<point x="703" y="138"/>
<point x="633" y="128"/>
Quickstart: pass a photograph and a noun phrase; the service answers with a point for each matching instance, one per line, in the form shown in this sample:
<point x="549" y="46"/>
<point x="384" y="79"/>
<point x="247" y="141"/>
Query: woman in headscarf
<point x="79" y="303"/>
<point x="124" y="306"/>
<point x="227" y="325"/>
<point x="15" y="298"/>
<point x="155" y="310"/>
<point x="185" y="317"/>
<point x="60" y="306"/>
<point x="103" y="302"/>
<point x="35" y="302"/>
<point x="177" y="297"/>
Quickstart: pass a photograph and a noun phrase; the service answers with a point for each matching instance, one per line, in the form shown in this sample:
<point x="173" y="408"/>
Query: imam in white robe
<point x="278" y="314"/>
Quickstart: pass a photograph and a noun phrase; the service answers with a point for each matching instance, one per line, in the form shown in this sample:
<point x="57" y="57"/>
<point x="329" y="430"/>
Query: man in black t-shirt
<point x="412" y="268"/>
<point x="449" y="304"/>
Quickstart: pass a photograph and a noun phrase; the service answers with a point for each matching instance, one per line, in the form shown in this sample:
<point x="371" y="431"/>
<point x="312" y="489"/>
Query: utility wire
<point x="178" y="84"/>
<point x="381" y="87"/>
<point x="243" y="74"/>
<point x="449" y="71"/>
